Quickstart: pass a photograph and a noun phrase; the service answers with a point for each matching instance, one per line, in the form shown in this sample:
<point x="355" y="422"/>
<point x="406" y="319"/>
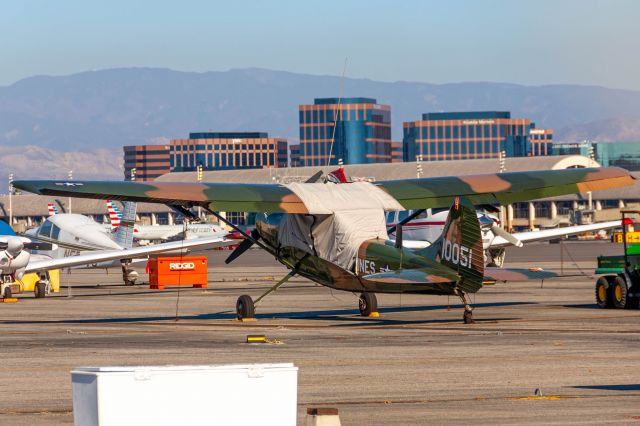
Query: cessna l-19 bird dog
<point x="336" y="235"/>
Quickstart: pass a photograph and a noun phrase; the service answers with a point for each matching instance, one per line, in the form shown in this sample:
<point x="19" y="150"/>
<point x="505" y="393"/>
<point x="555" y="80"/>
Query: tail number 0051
<point x="456" y="253"/>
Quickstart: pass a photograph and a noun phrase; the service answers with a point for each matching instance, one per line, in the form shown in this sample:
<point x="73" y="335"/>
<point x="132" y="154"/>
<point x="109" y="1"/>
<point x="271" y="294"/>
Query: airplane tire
<point x="367" y="304"/>
<point x="620" y="293"/>
<point x="245" y="307"/>
<point x="7" y="293"/>
<point x="40" y="290"/>
<point x="604" y="298"/>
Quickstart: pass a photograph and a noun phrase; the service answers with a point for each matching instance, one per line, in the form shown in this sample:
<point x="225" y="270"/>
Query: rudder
<point x="460" y="245"/>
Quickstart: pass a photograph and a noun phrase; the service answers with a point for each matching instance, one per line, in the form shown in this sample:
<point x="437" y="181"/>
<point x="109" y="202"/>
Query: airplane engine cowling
<point x="10" y="264"/>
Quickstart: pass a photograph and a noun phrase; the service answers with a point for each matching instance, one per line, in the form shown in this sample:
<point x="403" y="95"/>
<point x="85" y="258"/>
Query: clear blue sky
<point x="529" y="42"/>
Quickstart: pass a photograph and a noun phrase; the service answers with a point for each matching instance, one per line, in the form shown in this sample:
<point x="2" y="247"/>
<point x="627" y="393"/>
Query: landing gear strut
<point x="467" y="316"/>
<point x="245" y="306"/>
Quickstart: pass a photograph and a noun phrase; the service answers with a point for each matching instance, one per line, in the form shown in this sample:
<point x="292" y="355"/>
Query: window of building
<point x="447" y="132"/>
<point x="463" y="147"/>
<point x="432" y="132"/>
<point x="456" y="132"/>
<point x="471" y="130"/>
<point x="440" y="132"/>
<point x="315" y="116"/>
<point x="308" y="134"/>
<point x="472" y="147"/>
<point x="456" y="147"/>
<point x="307" y="115"/>
<point x="463" y="132"/>
<point x="440" y="148"/>
<point x="423" y="132"/>
<point x="301" y="116"/>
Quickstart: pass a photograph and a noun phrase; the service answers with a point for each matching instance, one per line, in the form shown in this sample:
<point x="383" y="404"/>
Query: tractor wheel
<point x="604" y="298"/>
<point x="40" y="290"/>
<point x="245" y="307"/>
<point x="368" y="304"/>
<point x="620" y="293"/>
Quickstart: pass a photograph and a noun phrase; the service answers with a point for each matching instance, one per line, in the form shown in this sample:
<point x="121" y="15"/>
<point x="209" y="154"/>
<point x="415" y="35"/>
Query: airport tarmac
<point x="416" y="364"/>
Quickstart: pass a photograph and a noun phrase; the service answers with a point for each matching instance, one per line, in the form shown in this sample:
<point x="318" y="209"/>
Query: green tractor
<point x="619" y="285"/>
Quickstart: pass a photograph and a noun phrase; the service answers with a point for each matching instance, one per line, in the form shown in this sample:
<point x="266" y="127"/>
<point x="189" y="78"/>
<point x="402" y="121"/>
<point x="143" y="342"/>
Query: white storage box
<point x="242" y="394"/>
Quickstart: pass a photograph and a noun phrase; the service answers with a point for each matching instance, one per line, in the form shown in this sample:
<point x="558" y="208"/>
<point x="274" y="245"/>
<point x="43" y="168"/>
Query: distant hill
<point x="111" y="108"/>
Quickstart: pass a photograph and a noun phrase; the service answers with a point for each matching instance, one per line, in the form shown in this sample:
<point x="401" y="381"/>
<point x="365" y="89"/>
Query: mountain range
<point x="93" y="114"/>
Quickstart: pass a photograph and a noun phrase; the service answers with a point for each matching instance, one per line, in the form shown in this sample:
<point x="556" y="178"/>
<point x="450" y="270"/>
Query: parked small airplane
<point x="427" y="226"/>
<point x="70" y="234"/>
<point x="336" y="235"/>
<point x="164" y="232"/>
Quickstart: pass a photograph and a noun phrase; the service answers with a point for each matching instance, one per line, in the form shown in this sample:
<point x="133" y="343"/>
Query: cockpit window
<point x="45" y="229"/>
<point x="55" y="232"/>
<point x="403" y="215"/>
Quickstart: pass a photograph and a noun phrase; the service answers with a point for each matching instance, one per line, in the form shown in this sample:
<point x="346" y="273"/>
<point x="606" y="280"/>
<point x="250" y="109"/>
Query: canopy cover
<point x="344" y="217"/>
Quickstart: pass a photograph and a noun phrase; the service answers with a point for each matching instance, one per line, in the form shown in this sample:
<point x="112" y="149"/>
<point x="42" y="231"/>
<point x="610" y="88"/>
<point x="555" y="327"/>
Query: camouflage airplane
<point x="336" y="235"/>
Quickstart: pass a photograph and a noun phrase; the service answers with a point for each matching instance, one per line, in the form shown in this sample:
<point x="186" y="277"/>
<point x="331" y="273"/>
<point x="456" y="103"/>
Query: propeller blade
<point x="245" y="245"/>
<point x="315" y="178"/>
<point x="507" y="236"/>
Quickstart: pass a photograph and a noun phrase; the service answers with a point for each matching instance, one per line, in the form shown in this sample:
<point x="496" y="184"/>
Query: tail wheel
<point x="245" y="307"/>
<point x="604" y="298"/>
<point x="40" y="290"/>
<point x="620" y="294"/>
<point x="367" y="304"/>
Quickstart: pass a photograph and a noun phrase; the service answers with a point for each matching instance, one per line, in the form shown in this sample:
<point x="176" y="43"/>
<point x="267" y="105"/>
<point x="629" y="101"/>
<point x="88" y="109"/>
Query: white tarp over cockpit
<point x="343" y="217"/>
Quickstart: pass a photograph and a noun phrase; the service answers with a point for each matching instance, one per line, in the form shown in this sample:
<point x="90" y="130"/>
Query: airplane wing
<point x="502" y="188"/>
<point x="549" y="234"/>
<point x="136" y="252"/>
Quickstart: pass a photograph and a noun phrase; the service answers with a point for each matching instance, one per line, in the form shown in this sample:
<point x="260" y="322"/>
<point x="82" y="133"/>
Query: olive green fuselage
<point x="374" y="256"/>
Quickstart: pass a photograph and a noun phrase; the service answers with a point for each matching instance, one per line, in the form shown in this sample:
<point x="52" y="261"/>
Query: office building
<point x="146" y="162"/>
<point x="294" y="155"/>
<point x="541" y="141"/>
<point x="620" y="154"/>
<point x="466" y="135"/>
<point x="228" y="150"/>
<point x="360" y="129"/>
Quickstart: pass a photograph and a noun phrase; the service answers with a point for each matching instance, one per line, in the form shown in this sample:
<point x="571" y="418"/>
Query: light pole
<point x="133" y="174"/>
<point x="418" y="165"/>
<point x="70" y="176"/>
<point x="199" y="179"/>
<point x="10" y="201"/>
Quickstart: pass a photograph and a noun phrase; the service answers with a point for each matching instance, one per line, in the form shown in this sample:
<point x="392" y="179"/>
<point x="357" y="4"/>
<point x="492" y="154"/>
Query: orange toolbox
<point x="178" y="270"/>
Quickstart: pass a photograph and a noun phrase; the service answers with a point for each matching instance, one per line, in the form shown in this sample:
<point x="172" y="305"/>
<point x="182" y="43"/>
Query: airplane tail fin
<point x="51" y="209"/>
<point x="114" y="214"/>
<point x="124" y="234"/>
<point x="460" y="245"/>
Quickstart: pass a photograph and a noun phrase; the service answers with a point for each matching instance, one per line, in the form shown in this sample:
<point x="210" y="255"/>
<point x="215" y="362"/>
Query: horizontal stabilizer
<point x="517" y="274"/>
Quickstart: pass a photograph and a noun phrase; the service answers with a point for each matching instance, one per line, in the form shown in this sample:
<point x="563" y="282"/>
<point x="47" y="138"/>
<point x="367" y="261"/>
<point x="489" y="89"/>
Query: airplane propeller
<point x="487" y="222"/>
<point x="245" y="245"/>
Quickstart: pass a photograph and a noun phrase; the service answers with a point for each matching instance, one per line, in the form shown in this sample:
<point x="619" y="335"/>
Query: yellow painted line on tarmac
<point x="542" y="398"/>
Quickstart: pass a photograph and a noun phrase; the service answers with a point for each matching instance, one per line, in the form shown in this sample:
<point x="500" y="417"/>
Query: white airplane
<point x="425" y="227"/>
<point x="74" y="234"/>
<point x="164" y="232"/>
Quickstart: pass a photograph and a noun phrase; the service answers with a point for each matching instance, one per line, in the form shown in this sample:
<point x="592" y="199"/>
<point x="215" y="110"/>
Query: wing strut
<point x="393" y="228"/>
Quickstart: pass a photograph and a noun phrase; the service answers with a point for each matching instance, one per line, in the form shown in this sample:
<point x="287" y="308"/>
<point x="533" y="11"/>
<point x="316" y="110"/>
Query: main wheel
<point x="620" y="293"/>
<point x="467" y="317"/>
<point x="245" y="307"/>
<point x="604" y="298"/>
<point x="368" y="304"/>
<point x="7" y="293"/>
<point x="40" y="290"/>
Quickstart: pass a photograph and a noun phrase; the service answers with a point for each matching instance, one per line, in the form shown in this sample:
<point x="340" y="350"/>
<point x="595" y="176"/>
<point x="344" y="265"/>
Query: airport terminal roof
<point x="387" y="171"/>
